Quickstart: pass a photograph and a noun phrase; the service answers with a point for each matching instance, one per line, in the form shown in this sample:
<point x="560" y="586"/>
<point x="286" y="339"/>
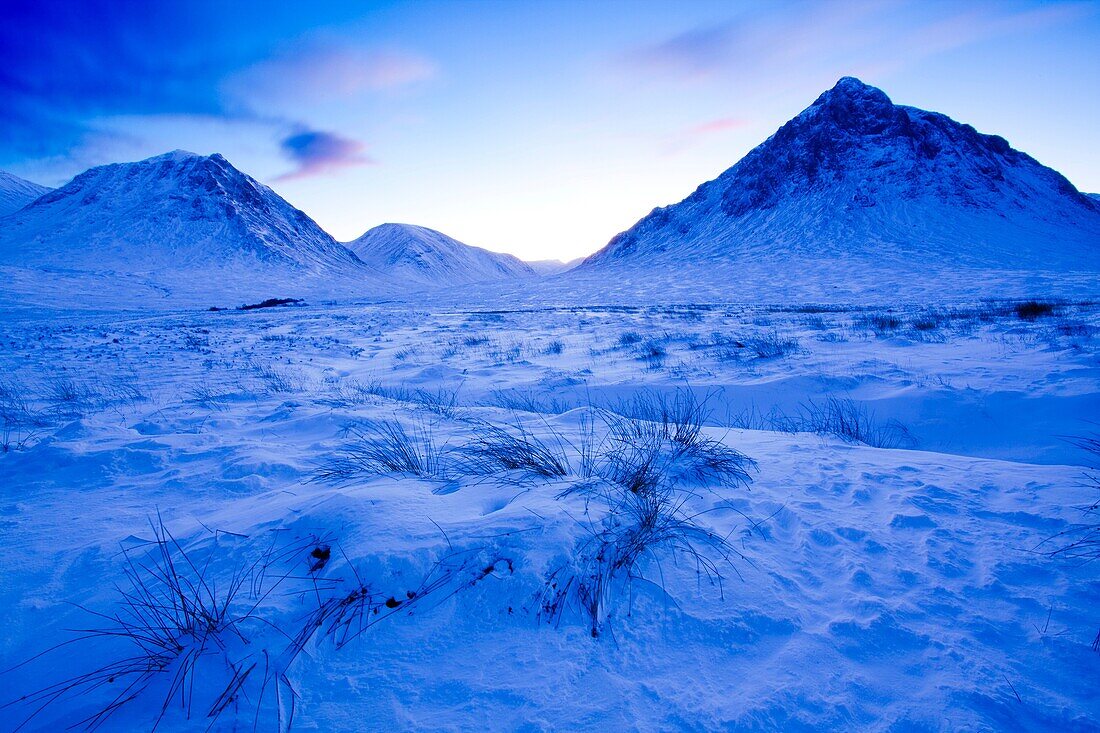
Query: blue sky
<point x="538" y="128"/>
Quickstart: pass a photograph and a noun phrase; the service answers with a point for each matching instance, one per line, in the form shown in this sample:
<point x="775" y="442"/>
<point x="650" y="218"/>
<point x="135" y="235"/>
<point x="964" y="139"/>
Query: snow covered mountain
<point x="857" y="193"/>
<point x="553" y="267"/>
<point x="425" y="256"/>
<point x="16" y="192"/>
<point x="177" y="211"/>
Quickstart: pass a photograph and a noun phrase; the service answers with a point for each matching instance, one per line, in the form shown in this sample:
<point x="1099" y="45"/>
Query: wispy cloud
<point x="65" y="75"/>
<point x="700" y="133"/>
<point x="693" y="55"/>
<point x="782" y="42"/>
<point x="316" y="152"/>
<point x="712" y="126"/>
<point x="318" y="72"/>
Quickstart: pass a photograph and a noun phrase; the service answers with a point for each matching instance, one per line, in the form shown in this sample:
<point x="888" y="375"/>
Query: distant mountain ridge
<point x="16" y="192"/>
<point x="857" y="180"/>
<point x="553" y="267"/>
<point x="422" y="255"/>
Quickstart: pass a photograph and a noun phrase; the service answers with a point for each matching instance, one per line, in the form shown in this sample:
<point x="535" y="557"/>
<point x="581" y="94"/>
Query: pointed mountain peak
<point x="185" y="160"/>
<point x="853" y="105"/>
<point x="174" y="156"/>
<point x="849" y="87"/>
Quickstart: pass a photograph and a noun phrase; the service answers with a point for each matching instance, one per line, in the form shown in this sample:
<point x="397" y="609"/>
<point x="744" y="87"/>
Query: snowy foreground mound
<point x="349" y="518"/>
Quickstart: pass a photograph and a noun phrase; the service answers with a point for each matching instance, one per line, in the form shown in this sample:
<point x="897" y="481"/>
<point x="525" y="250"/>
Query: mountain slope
<point x="16" y="192"/>
<point x="174" y="213"/>
<point x="425" y="256"/>
<point x="855" y="187"/>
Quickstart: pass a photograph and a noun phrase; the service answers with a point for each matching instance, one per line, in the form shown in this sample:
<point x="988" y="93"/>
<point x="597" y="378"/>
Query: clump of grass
<point x="771" y="345"/>
<point x="633" y="457"/>
<point x="629" y="338"/>
<point x="497" y="450"/>
<point x="637" y="472"/>
<point x="1030" y="310"/>
<point x="710" y="461"/>
<point x="846" y="419"/>
<point x="652" y="352"/>
<point x="383" y="448"/>
<point x="210" y="396"/>
<point x="645" y="514"/>
<point x="345" y="393"/>
<point x="672" y="425"/>
<point x="176" y="620"/>
<point x="880" y="323"/>
<point x="19" y="423"/>
<point x="68" y="397"/>
<point x="504" y="353"/>
<point x="927" y="322"/>
<point x="442" y="401"/>
<point x="554" y="348"/>
<point x="680" y="415"/>
<point x="276" y="380"/>
<point x="404" y="353"/>
<point x="527" y="401"/>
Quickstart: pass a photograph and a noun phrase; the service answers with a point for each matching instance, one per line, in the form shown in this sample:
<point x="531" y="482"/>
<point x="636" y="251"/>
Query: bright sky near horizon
<point x="536" y="128"/>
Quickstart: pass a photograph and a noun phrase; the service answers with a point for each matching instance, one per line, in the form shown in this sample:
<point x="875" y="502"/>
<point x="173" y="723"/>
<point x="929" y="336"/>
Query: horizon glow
<point x="540" y="128"/>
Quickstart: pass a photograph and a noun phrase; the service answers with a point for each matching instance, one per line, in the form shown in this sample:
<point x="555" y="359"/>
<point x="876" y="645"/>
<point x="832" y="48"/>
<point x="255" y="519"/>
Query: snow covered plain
<point x="854" y="540"/>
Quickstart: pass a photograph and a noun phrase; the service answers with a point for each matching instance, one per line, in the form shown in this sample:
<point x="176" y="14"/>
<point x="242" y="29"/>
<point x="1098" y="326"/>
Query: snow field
<point x="851" y="587"/>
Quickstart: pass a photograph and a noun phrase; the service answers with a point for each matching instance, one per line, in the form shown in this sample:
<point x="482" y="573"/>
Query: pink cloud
<point x="316" y="153"/>
<point x="696" y="134"/>
<point x="722" y="124"/>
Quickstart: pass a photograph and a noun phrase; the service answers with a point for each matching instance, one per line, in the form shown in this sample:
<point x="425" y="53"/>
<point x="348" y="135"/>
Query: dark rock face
<point x="921" y="150"/>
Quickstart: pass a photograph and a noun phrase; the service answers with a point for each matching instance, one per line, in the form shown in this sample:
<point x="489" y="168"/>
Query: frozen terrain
<point x="891" y="576"/>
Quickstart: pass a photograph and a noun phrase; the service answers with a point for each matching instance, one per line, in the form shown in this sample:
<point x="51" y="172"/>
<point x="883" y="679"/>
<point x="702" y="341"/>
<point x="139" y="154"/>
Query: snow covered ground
<point x="883" y="566"/>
